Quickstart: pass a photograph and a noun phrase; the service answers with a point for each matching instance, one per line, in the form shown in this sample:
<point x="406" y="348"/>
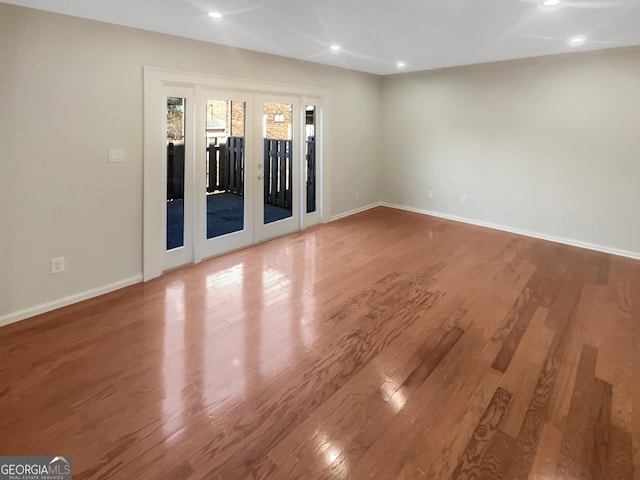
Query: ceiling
<point x="374" y="35"/>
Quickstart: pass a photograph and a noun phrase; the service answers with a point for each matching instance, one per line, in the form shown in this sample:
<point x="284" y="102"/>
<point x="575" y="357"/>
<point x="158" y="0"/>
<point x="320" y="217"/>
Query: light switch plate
<point x="116" y="155"/>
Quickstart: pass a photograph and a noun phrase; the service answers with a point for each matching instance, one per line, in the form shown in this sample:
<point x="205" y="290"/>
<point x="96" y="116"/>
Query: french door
<point x="237" y="170"/>
<point x="278" y="169"/>
<point x="178" y="142"/>
<point x="224" y="172"/>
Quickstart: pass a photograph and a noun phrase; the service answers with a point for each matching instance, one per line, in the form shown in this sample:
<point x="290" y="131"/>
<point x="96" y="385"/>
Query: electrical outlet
<point x="430" y="193"/>
<point x="464" y="199"/>
<point x="57" y="265"/>
<point x="357" y="195"/>
<point x="116" y="155"/>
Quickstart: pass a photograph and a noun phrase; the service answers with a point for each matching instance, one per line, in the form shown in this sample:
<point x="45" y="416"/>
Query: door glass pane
<point x="225" y="167"/>
<point x="277" y="132"/>
<point x="310" y="156"/>
<point x="175" y="172"/>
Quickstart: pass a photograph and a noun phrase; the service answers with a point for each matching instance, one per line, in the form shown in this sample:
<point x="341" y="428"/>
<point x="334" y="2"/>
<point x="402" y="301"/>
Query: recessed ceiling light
<point x="215" y="14"/>
<point x="550" y="3"/>
<point x="401" y="64"/>
<point x="577" y="40"/>
<point x="335" y="48"/>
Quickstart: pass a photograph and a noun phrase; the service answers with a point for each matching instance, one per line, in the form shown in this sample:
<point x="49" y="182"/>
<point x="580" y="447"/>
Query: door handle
<point x="260" y="177"/>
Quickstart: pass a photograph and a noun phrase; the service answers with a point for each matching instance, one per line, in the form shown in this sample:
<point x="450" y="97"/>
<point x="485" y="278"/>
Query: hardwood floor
<point x="386" y="345"/>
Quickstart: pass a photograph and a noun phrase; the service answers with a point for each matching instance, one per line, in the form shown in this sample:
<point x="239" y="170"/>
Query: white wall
<point x="549" y="146"/>
<point x="70" y="89"/>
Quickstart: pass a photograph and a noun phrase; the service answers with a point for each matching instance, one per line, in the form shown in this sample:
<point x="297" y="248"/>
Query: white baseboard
<point x="526" y="233"/>
<point x="63" y="302"/>
<point x="357" y="210"/>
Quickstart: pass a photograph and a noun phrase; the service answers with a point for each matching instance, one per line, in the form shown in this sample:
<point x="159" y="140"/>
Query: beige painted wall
<point x="548" y="145"/>
<point x="70" y="89"/>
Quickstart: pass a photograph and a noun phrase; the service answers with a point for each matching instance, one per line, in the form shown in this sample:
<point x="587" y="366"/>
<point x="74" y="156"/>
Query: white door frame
<point x="154" y="183"/>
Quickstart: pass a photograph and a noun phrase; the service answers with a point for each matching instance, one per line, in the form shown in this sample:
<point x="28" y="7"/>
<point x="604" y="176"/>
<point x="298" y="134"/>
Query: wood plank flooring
<point x="387" y="345"/>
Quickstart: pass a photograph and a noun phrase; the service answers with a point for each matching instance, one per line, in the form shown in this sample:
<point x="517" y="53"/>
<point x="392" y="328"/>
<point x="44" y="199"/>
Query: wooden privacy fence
<point x="225" y="170"/>
<point x="175" y="171"/>
<point x="277" y="173"/>
<point x="225" y="165"/>
<point x="311" y="174"/>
